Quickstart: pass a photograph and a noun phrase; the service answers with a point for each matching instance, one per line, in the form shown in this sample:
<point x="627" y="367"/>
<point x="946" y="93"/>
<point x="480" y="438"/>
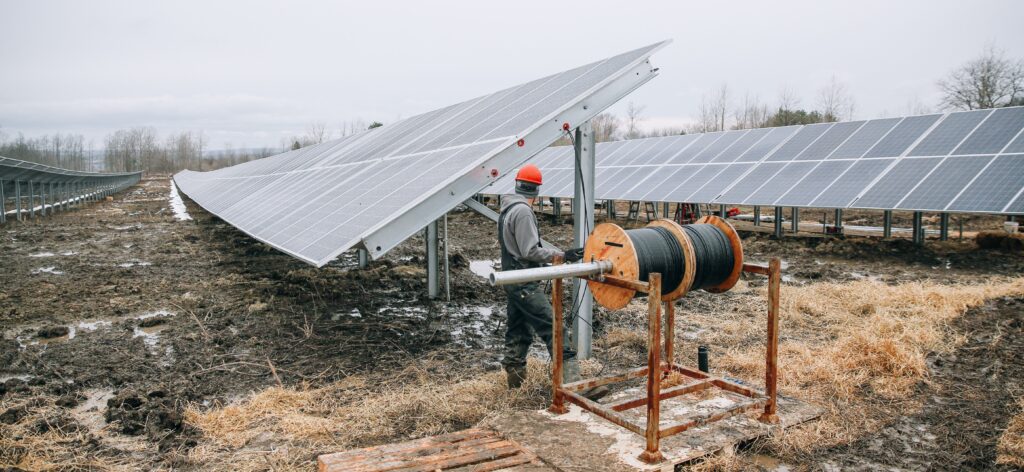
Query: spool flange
<point x="737" y="251"/>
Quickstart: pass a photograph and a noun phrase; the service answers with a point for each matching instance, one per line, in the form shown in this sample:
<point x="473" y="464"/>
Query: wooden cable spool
<point x="611" y="242"/>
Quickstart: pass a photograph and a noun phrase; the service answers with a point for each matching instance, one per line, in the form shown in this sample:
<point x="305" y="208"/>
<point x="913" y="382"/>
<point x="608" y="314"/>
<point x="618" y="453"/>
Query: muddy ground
<point x="116" y="316"/>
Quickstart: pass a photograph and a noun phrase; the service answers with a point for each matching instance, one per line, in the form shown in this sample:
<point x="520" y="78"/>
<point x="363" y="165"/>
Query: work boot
<point x="571" y="373"/>
<point x="516" y="375"/>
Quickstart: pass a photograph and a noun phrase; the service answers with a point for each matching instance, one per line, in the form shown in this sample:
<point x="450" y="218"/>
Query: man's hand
<point x="574" y="254"/>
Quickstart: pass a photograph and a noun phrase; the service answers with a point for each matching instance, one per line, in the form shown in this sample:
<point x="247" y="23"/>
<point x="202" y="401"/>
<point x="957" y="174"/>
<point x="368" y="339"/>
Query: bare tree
<point x="634" y="115"/>
<point x="316" y="133"/>
<point x="835" y="102"/>
<point x="751" y="114"/>
<point x="989" y="81"/>
<point x="606" y="127"/>
<point x="915" y="106"/>
<point x="788" y="100"/>
<point x="720" y="107"/>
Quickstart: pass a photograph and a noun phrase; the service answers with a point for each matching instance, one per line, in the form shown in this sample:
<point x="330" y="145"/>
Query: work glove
<point x="574" y="254"/>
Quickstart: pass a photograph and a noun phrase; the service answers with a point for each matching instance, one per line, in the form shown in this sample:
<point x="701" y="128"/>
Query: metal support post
<point x="42" y="199"/>
<point x="839" y="219"/>
<point x="583" y="224"/>
<point x="944" y="227"/>
<point x="3" y="206"/>
<point x="757" y="215"/>
<point x="447" y="273"/>
<point x="31" y="199"/>
<point x="721" y="211"/>
<point x="887" y="224"/>
<point x="364" y="258"/>
<point x="17" y="200"/>
<point x="778" y="222"/>
<point x="610" y="208"/>
<point x="795" y="224"/>
<point x="433" y="285"/>
<point x="556" y="209"/>
<point x="664" y="210"/>
<point x="918" y="228"/>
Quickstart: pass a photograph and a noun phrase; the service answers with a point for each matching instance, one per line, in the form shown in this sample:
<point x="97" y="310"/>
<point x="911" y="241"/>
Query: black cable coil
<point x="658" y="250"/>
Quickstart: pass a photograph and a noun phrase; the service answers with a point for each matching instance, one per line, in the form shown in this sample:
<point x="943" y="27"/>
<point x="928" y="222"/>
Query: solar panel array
<point x="319" y="201"/>
<point x="24" y="184"/>
<point x="970" y="161"/>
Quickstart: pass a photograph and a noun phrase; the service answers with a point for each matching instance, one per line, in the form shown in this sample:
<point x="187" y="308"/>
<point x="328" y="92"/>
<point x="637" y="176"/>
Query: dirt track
<point x="162" y="313"/>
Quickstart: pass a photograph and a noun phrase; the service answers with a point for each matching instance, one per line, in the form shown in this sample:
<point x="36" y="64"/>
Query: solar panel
<point x="716" y="148"/>
<point x="902" y="136"/>
<point x="842" y="192"/>
<point x="814" y="183"/>
<point x="775" y="137"/>
<point x="864" y="138"/>
<point x="949" y="133"/>
<point x="995" y="188"/>
<point x="895" y="184"/>
<point x="944" y="183"/>
<point x="994" y="133"/>
<point x="381" y="186"/>
<point x="803" y="138"/>
<point x="746" y="186"/>
<point x="828" y="142"/>
<point x="742" y="145"/>
<point x="780" y="183"/>
<point x="824" y="166"/>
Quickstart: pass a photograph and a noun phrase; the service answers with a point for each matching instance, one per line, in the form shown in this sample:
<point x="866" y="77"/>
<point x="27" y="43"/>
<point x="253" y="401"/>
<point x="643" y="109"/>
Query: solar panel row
<point x="969" y="161"/>
<point x="319" y="201"/>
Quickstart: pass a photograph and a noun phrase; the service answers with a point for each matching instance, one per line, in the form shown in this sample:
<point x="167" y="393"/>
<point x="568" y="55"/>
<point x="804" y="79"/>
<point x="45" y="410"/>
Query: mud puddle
<point x="146" y="326"/>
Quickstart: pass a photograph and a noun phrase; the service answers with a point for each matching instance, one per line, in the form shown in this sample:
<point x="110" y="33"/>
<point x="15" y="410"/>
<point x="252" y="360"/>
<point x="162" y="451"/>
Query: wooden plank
<point x="411" y="457"/>
<point x="328" y="460"/>
<point x="504" y="463"/>
<point x="469" y="450"/>
<point x="457" y="458"/>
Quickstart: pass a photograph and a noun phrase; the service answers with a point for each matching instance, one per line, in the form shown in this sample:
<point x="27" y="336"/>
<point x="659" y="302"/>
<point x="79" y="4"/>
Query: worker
<point x="529" y="311"/>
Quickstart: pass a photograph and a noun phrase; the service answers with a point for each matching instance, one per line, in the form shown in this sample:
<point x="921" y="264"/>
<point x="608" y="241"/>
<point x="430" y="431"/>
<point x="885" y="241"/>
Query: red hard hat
<point x="529" y="173"/>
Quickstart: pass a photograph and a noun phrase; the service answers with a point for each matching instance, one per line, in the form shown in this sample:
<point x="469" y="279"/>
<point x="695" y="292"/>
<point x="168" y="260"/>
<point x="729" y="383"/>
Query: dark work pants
<point x="529" y="312"/>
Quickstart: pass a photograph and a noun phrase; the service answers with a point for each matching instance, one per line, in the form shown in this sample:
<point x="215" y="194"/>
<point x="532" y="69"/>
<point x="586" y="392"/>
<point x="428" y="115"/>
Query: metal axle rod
<point x="560" y="271"/>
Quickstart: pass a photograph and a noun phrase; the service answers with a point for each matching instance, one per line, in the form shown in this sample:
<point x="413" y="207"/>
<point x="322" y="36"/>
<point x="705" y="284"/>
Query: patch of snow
<point x="69" y="253"/>
<point x="354" y="314"/>
<point x="135" y="263"/>
<point x="42" y="254"/>
<point x="47" y="270"/>
<point x="178" y="205"/>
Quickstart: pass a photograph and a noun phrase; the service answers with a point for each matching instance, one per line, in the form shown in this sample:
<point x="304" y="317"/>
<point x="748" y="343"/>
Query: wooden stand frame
<point x="657" y="368"/>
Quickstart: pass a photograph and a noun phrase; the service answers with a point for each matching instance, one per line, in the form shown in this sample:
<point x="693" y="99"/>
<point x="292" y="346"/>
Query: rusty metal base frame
<point x="651" y="431"/>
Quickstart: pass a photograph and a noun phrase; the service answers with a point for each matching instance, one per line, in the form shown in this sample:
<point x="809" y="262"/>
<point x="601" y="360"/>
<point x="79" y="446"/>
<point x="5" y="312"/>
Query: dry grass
<point x="858" y="349"/>
<point x="288" y="427"/>
<point x="1011" y="443"/>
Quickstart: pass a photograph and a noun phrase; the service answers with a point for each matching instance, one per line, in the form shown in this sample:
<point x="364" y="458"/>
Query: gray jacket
<point x="520" y="232"/>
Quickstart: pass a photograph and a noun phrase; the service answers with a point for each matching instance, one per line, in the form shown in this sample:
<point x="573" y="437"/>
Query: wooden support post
<point x="651" y="454"/>
<point x="771" y="376"/>
<point x="670" y="331"/>
<point x="557" y="400"/>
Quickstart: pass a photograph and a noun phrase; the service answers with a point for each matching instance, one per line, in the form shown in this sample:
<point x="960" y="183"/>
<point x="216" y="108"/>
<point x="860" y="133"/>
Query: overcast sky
<point x="249" y="73"/>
